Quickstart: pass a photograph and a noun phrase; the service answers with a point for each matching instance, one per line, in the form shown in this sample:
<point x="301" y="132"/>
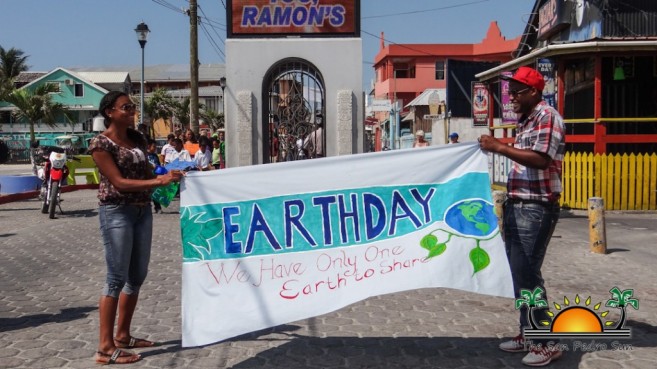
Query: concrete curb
<point x="4" y="199"/>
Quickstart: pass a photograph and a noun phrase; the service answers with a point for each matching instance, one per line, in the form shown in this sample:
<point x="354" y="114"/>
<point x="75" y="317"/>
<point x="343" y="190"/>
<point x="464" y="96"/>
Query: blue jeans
<point x="127" y="231"/>
<point x="528" y="228"/>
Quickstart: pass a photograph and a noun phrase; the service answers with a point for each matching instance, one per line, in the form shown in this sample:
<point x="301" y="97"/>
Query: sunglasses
<point x="519" y="92"/>
<point x="127" y="107"/>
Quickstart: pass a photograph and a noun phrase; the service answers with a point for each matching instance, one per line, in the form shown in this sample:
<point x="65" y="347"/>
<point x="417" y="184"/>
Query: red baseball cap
<point x="527" y="76"/>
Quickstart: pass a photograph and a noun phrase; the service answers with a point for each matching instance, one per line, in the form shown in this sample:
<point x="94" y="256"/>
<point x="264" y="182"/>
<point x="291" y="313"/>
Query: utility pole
<point x="193" y="66"/>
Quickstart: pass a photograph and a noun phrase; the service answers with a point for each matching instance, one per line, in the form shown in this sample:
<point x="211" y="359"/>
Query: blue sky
<point x="86" y="33"/>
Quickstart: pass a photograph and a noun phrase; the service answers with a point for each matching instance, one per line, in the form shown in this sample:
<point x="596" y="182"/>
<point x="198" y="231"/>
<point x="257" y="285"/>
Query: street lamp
<point x="222" y="84"/>
<point x="142" y="34"/>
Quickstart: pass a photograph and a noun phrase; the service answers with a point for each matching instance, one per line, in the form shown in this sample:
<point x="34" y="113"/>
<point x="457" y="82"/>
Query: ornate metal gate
<point x="294" y="130"/>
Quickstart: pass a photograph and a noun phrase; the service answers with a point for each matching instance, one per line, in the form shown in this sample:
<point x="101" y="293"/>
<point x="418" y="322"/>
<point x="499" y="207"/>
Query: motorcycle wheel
<point x="44" y="207"/>
<point x="54" y="190"/>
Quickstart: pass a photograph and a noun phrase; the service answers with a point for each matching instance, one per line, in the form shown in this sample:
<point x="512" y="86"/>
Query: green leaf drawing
<point x="437" y="250"/>
<point x="479" y="258"/>
<point x="428" y="242"/>
<point x="196" y="235"/>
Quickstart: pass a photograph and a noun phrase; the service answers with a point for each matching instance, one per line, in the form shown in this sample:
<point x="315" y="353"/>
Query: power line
<point x="214" y="44"/>
<point x="425" y="10"/>
<point x="402" y="45"/>
<point x="207" y="20"/>
<point x="169" y="6"/>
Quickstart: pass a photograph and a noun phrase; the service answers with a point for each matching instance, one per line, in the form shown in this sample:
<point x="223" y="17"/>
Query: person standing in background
<point x="154" y="161"/>
<point x="216" y="154"/>
<point x="419" y="139"/>
<point x="453" y="138"/>
<point x="203" y="156"/>
<point x="168" y="147"/>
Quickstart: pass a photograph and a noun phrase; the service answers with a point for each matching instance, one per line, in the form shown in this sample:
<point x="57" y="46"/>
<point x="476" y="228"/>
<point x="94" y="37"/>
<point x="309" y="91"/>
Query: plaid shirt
<point x="542" y="131"/>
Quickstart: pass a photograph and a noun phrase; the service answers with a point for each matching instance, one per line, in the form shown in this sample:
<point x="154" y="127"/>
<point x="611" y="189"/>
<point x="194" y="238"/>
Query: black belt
<point x="525" y="201"/>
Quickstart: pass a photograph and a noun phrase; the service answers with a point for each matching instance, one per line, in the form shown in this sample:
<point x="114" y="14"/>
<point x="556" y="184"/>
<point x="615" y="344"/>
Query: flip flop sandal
<point x="107" y="359"/>
<point x="134" y="343"/>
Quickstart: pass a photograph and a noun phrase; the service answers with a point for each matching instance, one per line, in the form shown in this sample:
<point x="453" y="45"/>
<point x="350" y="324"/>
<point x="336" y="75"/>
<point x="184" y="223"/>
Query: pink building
<point x="404" y="71"/>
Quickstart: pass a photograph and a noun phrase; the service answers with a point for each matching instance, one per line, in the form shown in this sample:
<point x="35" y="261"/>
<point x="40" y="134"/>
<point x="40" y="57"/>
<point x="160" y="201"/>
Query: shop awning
<point x="567" y="49"/>
<point x="410" y="117"/>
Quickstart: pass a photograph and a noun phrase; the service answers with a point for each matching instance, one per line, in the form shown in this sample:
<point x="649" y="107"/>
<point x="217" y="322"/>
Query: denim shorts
<point x="127" y="232"/>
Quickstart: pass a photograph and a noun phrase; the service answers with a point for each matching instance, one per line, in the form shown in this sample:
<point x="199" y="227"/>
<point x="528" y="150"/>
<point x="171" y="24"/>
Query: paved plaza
<point x="51" y="274"/>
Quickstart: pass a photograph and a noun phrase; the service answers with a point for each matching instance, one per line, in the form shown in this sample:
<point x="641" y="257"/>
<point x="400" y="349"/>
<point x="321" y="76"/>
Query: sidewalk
<point x="51" y="274"/>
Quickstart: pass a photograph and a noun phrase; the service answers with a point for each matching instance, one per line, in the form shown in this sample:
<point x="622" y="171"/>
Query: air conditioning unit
<point x="69" y="82"/>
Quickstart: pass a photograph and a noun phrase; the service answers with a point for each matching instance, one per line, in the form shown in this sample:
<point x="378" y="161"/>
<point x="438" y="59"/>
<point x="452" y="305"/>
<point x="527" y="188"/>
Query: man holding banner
<point x="531" y="210"/>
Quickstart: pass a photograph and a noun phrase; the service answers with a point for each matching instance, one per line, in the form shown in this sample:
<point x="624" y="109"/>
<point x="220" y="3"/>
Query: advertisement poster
<point x="548" y="69"/>
<point x="479" y="104"/>
<point x="266" y="245"/>
<point x="508" y="116"/>
<point x="279" y="18"/>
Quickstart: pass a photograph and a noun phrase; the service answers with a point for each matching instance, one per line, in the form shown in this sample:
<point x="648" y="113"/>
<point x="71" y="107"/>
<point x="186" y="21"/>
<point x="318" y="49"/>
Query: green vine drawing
<point x="478" y="256"/>
<point x="197" y="234"/>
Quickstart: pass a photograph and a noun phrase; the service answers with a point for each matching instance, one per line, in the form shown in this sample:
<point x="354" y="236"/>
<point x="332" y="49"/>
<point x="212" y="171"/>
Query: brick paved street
<point x="51" y="273"/>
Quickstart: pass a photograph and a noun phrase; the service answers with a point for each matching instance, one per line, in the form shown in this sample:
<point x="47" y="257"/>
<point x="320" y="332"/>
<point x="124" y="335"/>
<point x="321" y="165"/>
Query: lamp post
<point x="222" y="84"/>
<point x="142" y="34"/>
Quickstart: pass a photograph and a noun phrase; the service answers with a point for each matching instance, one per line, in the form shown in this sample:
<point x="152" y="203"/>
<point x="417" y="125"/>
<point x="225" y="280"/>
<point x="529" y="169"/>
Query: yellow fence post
<point x="597" y="228"/>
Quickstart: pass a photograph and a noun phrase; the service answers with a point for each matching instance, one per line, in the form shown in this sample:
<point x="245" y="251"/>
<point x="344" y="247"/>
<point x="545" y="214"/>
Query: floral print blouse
<point x="132" y="163"/>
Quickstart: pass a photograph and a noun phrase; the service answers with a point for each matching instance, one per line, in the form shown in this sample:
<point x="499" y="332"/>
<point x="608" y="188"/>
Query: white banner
<point x="272" y="244"/>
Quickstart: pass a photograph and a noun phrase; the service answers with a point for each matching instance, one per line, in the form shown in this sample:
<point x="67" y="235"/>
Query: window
<point x="58" y="86"/>
<point x="79" y="90"/>
<point x="403" y="70"/>
<point x="440" y="70"/>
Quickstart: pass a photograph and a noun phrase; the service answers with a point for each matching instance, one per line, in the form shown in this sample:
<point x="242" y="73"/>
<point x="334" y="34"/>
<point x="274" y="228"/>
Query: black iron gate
<point x="294" y="129"/>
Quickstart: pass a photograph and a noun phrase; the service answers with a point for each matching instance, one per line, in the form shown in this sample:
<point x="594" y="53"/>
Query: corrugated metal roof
<point x="423" y="98"/>
<point x="27" y="77"/>
<point x="186" y="92"/>
<point x="104" y="77"/>
<point x="163" y="72"/>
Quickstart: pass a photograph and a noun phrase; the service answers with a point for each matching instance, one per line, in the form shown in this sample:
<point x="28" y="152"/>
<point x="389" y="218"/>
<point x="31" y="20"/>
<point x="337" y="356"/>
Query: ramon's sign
<point x="307" y="18"/>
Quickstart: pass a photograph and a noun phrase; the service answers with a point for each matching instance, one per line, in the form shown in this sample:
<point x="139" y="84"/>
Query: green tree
<point x="181" y="112"/>
<point x="37" y="106"/>
<point x="620" y="299"/>
<point x="533" y="300"/>
<point x="160" y="105"/>
<point x="212" y="118"/>
<point x="12" y="63"/>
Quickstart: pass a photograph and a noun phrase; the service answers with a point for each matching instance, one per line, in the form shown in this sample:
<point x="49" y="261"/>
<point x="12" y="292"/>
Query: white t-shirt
<point x="203" y="159"/>
<point x="183" y="155"/>
<point x="166" y="149"/>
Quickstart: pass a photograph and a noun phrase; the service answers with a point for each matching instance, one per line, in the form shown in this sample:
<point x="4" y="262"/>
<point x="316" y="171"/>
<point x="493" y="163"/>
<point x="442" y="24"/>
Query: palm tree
<point x="37" y="106"/>
<point x="213" y="119"/>
<point x="181" y="112"/>
<point x="12" y="63"/>
<point x="620" y="300"/>
<point x="533" y="300"/>
<point x="159" y="106"/>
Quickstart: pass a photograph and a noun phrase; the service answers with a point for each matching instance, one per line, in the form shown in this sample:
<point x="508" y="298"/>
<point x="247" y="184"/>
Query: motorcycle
<point x="53" y="174"/>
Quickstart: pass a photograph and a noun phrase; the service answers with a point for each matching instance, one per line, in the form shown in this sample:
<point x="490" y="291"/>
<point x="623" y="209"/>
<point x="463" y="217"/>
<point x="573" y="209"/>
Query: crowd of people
<point x="207" y="152"/>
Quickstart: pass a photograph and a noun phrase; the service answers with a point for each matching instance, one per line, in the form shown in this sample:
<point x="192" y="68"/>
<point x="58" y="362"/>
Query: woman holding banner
<point x="126" y="223"/>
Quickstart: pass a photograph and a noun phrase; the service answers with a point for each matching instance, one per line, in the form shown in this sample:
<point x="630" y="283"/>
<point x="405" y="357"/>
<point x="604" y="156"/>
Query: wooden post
<point x="498" y="199"/>
<point x="597" y="229"/>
